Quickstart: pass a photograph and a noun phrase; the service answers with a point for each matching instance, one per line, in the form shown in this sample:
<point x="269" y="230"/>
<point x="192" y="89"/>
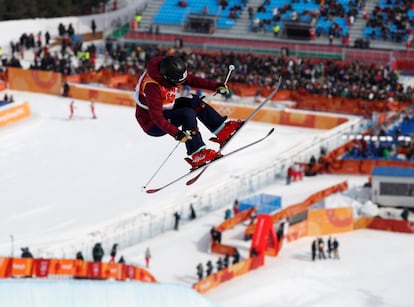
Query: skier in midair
<point x="159" y="113"/>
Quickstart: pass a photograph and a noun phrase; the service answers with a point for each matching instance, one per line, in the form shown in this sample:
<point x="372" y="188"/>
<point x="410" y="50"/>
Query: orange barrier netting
<point x="43" y="268"/>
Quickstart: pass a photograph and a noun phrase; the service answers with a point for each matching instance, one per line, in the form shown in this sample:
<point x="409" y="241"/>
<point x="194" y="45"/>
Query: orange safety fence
<point x="355" y="106"/>
<point x="102" y="95"/>
<point x="291" y="117"/>
<point x="13" y="113"/>
<point x="236" y="219"/>
<point x="3" y="85"/>
<point x="43" y="268"/>
<point x="384" y="224"/>
<point x="227" y="274"/>
<point x="222" y="249"/>
<point x="302" y="206"/>
<point x="297" y="231"/>
<point x="38" y="81"/>
<point x="326" y="221"/>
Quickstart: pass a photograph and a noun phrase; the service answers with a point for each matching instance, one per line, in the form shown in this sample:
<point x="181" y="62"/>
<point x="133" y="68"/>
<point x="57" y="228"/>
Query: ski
<point x="254" y="112"/>
<point x="202" y="168"/>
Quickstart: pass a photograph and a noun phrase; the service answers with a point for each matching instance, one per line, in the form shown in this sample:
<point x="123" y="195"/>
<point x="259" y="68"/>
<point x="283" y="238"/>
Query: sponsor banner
<point x="5" y="266"/>
<point x="38" y="81"/>
<point x="21" y="267"/>
<point x="81" y="269"/>
<point x="297" y="231"/>
<point x="95" y="270"/>
<point x="327" y="221"/>
<point x="123" y="98"/>
<point x="41" y="267"/>
<point x="63" y="267"/>
<point x="14" y="113"/>
<point x="292" y="118"/>
<point x="112" y="270"/>
<point x="384" y="224"/>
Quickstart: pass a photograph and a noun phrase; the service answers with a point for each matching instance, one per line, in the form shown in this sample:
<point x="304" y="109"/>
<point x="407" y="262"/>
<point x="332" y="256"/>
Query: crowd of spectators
<point x="333" y="78"/>
<point x="390" y="20"/>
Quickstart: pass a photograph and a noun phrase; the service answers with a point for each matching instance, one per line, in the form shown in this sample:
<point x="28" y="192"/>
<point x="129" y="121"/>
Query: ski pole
<point x="162" y="164"/>
<point x="231" y="68"/>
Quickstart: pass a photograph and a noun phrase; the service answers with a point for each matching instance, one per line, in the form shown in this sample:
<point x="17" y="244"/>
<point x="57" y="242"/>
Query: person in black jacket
<point x="26" y="253"/>
<point x="177" y="218"/>
<point x="200" y="271"/>
<point x="209" y="268"/>
<point x="313" y="249"/>
<point x="79" y="256"/>
<point x="236" y="256"/>
<point x="97" y="252"/>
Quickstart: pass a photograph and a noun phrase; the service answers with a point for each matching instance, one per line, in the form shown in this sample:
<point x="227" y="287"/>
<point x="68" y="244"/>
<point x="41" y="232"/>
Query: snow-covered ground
<point x="64" y="178"/>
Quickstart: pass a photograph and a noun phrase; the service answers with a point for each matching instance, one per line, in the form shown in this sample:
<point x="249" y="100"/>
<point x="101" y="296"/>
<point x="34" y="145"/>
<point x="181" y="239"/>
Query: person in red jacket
<point x="158" y="112"/>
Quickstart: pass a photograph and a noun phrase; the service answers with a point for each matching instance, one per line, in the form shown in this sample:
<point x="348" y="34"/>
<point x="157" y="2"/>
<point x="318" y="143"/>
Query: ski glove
<point x="222" y="89"/>
<point x="183" y="136"/>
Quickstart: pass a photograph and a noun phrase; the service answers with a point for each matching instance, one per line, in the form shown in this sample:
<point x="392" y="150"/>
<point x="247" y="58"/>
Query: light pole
<point x="12" y="245"/>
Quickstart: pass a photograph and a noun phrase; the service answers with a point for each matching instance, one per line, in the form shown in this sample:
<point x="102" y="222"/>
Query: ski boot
<point x="202" y="157"/>
<point x="225" y="133"/>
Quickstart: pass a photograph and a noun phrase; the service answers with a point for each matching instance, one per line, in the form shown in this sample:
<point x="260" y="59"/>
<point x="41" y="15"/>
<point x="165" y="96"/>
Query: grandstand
<point x="320" y="21"/>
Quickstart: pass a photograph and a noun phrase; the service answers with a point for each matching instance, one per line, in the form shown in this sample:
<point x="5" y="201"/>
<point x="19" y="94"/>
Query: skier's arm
<point x="154" y="103"/>
<point x="198" y="82"/>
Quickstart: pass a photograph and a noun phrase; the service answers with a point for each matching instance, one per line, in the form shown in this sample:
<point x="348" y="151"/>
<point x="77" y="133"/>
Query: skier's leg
<point x="186" y="117"/>
<point x="214" y="122"/>
<point x="204" y="112"/>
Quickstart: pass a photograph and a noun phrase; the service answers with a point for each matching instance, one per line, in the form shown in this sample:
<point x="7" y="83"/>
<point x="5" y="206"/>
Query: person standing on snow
<point x="158" y="112"/>
<point x="147" y="257"/>
<point x="93" y="109"/>
<point x="71" y="109"/>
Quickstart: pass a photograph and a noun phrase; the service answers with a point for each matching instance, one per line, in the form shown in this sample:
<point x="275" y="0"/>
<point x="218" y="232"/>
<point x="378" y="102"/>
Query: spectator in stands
<point x="47" y="38"/>
<point x="93" y="27"/>
<point x="97" y="252"/>
<point x="182" y="3"/>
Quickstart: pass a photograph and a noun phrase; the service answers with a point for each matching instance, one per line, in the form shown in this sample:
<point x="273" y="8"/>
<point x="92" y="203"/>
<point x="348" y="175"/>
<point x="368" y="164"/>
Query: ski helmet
<point x="173" y="69"/>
